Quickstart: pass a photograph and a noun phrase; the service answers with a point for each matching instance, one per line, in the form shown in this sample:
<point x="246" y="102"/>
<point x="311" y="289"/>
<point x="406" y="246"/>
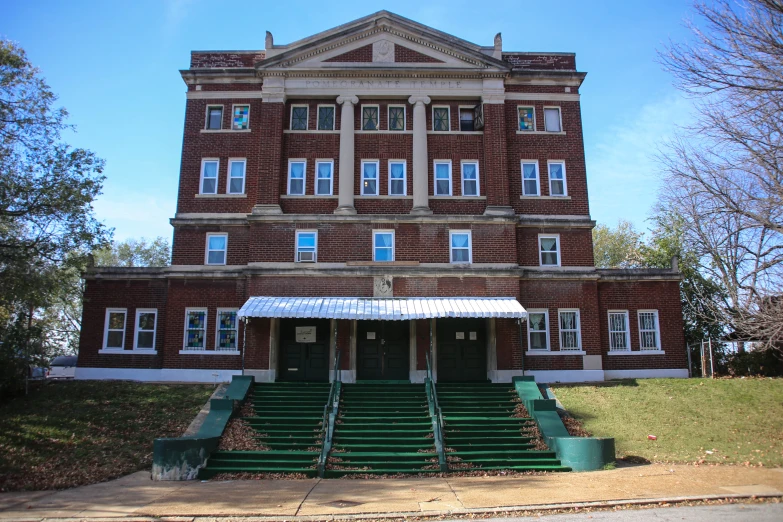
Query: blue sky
<point x="114" y="65"/>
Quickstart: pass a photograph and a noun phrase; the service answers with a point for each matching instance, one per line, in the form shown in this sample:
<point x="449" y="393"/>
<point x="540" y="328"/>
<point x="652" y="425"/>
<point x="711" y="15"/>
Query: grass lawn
<point x="73" y="433"/>
<point x="739" y="420"/>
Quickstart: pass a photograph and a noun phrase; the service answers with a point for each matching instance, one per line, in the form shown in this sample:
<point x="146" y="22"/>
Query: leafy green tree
<point x="135" y="252"/>
<point x="618" y="247"/>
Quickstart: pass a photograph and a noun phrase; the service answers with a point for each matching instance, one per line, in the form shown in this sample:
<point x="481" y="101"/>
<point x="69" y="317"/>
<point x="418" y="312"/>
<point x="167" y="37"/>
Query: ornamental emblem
<point x="383" y="286"/>
<point x="383" y="51"/>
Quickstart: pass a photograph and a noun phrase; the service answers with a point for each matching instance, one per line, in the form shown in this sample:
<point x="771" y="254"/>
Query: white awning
<point x="387" y="309"/>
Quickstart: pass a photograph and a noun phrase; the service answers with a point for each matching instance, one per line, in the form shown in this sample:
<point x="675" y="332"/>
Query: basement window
<point x="649" y="330"/>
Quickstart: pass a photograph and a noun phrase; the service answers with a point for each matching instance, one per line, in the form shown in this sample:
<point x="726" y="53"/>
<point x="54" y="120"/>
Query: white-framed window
<point x="144" y="332"/>
<point x="324" y="177"/>
<point x="649" y="330"/>
<point x="526" y="116"/>
<point x="217" y="246"/>
<point x="441" y="118"/>
<point x="530" y="184"/>
<point x="619" y="333"/>
<point x="470" y="178"/>
<point x="214" y="120"/>
<point x="398" y="178"/>
<point x="557" y="178"/>
<point x="549" y="249"/>
<point x="236" y="175"/>
<point x="195" y="329"/>
<point x="114" y="330"/>
<point x="299" y="116"/>
<point x="371" y="117"/>
<point x="442" y="179"/>
<point x="296" y="177"/>
<point x="461" y="246"/>
<point x="209" y="175"/>
<point x="227" y="330"/>
<point x="306" y="246"/>
<point x="240" y="117"/>
<point x="570" y="334"/>
<point x="383" y="245"/>
<point x="326" y="117"/>
<point x="370" y="177"/>
<point x="466" y="116"/>
<point x="538" y="330"/>
<point x="552" y="121"/>
<point x="396" y="117"/>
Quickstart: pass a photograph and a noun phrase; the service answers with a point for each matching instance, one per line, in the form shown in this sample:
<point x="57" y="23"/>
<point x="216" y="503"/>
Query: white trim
<point x="217" y="331"/>
<point x="544" y="311"/>
<point x="470" y="246"/>
<point x="291" y="116"/>
<point x="383" y="231"/>
<point x="636" y="352"/>
<point x="664" y="373"/>
<point x="627" y="349"/>
<point x="404" y="177"/>
<point x="318" y="116"/>
<point x="331" y="177"/>
<point x="404" y="117"/>
<point x="377" y="164"/>
<point x="549" y="177"/>
<point x="541" y="253"/>
<point x="462" y="175"/>
<point x="578" y="349"/>
<point x="567" y="375"/>
<point x="206" y="116"/>
<point x="207" y="250"/>
<point x="361" y="117"/>
<point x="296" y="245"/>
<point x="559" y="115"/>
<point x="217" y="175"/>
<point x="435" y="163"/>
<point x="448" y="119"/>
<point x="558" y="352"/>
<point x="658" y="345"/>
<point x="136" y="328"/>
<point x="233" y="107"/>
<point x="210" y="352"/>
<point x="243" y="161"/>
<point x="206" y="325"/>
<point x="106" y="327"/>
<point x="158" y="374"/>
<point x="534" y="119"/>
<point x="304" y="176"/>
<point x="262" y="375"/>
<point x="522" y="164"/>
<point x="116" y="351"/>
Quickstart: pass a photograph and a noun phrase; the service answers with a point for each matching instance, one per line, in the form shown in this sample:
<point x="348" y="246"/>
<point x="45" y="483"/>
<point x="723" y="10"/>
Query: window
<point x="549" y="250"/>
<point x="236" y="176"/>
<point x="557" y="178"/>
<point x="396" y="117"/>
<point x="569" y="330"/>
<point x="527" y="118"/>
<point x="216" y="249"/>
<point x="552" y="119"/>
<point x="530" y="178"/>
<point x="144" y="335"/>
<point x="369" y="178"/>
<point x="460" y="241"/>
<point x="470" y="178"/>
<point x="466" y="119"/>
<point x="442" y="178"/>
<point x="299" y="117"/>
<point x="538" y="330"/>
<point x="209" y="172"/>
<point x="649" y="334"/>
<point x="323" y="177"/>
<point x="241" y="118"/>
<point x="214" y="117"/>
<point x="383" y="245"/>
<point x="619" y="336"/>
<point x="195" y="328"/>
<point x="296" y="177"/>
<point x="227" y="330"/>
<point x="370" y="117"/>
<point x="397" y="179"/>
<point x="440" y="119"/>
<point x="326" y="117"/>
<point x="306" y="246"/>
<point x="114" y="335"/>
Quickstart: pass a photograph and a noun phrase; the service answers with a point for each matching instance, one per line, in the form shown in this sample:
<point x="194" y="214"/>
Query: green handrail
<point x="330" y="415"/>
<point x="436" y="416"/>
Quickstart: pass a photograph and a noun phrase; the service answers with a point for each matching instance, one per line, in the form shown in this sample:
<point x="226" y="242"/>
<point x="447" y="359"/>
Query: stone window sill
<point x="637" y="352"/>
<point x="383" y="197"/>
<point x="129" y="352"/>
<point x="381" y="131"/>
<point x="561" y="133"/>
<point x="220" y="196"/>
<point x="209" y="352"/>
<point x="218" y="131"/>
<point x="306" y="196"/>
<point x="288" y="131"/>
<point x="556" y="352"/>
<point x="466" y="198"/>
<point x="475" y="133"/>
<point x="545" y="197"/>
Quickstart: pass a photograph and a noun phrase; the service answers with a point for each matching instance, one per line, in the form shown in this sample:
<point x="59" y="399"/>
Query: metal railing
<point x="436" y="415"/>
<point x="330" y="415"/>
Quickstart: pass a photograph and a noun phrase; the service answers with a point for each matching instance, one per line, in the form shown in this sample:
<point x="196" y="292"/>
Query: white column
<point x="346" y="169"/>
<point x="420" y="186"/>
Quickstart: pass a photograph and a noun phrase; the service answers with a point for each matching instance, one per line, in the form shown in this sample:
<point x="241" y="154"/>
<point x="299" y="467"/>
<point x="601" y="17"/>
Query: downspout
<point x="521" y="347"/>
<point x="244" y="342"/>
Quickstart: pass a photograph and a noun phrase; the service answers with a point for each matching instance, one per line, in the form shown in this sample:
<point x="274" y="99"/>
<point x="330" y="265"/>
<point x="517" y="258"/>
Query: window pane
<point x="397" y="188"/>
<point x="210" y="169"/>
<point x="227" y="320"/>
<point x="468" y="171"/>
<point x="307" y="240"/>
<point x="469" y="189"/>
<point x="227" y="340"/>
<point x="114" y="340"/>
<point x="299" y="118"/>
<point x="569" y="341"/>
<point x="195" y="339"/>
<point x="466" y="120"/>
<point x="397" y="170"/>
<point x="459" y="240"/>
<point x="241" y="119"/>
<point x="441" y="119"/>
<point x="297" y="170"/>
<point x="216" y="257"/>
<point x="548" y="244"/>
<point x="537" y="321"/>
<point x="323" y="187"/>
<point x="526" y="119"/>
<point x="147" y="321"/>
<point x="555" y="171"/>
<point x="396" y="118"/>
<point x="538" y="341"/>
<point x="568" y="320"/>
<point x="529" y="171"/>
<point x="460" y="255"/>
<point x="116" y="320"/>
<point x="552" y="120"/>
<point x="531" y="187"/>
<point x="214" y="121"/>
<point x="325" y="118"/>
<point x="557" y="188"/>
<point x="217" y="242"/>
<point x="325" y="170"/>
<point x="145" y="340"/>
<point x="369" y="118"/>
<point x="196" y="319"/>
<point x="237" y="169"/>
<point x="647" y="321"/>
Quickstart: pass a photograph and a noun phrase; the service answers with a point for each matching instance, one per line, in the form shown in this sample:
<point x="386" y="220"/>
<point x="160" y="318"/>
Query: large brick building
<point x="378" y="162"/>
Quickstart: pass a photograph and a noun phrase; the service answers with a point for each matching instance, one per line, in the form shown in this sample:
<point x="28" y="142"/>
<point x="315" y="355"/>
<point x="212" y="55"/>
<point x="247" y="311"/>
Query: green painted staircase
<point x="383" y="429"/>
<point x="481" y="431"/>
<point x="288" y="418"/>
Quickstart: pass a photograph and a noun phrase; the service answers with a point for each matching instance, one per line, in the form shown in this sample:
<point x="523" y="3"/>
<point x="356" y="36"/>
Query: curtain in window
<point x="548" y="251"/>
<point x="460" y="248"/>
<point x="324" y="182"/>
<point x="370" y="182"/>
<point x="552" y="120"/>
<point x="530" y="179"/>
<point x="469" y="180"/>
<point x="397" y="175"/>
<point x="209" y="181"/>
<point x="296" y="182"/>
<point x="442" y="182"/>
<point x="537" y="326"/>
<point x="383" y="247"/>
<point x="236" y="183"/>
<point x="556" y="179"/>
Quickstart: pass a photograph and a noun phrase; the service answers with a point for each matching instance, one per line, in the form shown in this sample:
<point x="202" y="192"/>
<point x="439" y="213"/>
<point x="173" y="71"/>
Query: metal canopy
<point x="387" y="309"/>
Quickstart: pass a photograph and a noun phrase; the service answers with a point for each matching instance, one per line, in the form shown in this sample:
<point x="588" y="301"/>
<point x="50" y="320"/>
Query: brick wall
<point x="576" y="246"/>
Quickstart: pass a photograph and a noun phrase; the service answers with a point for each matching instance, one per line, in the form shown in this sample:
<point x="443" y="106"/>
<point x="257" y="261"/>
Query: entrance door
<point x="304" y="350"/>
<point x="382" y="350"/>
<point x="462" y="350"/>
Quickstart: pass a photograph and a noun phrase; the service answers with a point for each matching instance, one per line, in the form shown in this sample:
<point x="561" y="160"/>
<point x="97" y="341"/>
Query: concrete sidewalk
<point x="137" y="496"/>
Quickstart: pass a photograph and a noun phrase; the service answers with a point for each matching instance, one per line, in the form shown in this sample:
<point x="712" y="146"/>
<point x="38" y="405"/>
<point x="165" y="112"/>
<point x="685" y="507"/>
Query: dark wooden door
<point x="382" y="350"/>
<point x="462" y="350"/>
<point x="304" y="361"/>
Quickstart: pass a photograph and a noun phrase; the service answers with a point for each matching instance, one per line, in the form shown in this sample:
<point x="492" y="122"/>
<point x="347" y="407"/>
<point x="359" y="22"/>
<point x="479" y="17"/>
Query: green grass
<point x="738" y="420"/>
<point x="68" y="434"/>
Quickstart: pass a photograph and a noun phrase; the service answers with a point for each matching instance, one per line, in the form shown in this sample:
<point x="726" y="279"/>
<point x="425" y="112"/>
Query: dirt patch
<point x="259" y="476"/>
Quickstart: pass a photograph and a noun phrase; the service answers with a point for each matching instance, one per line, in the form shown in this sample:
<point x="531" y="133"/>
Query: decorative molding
<point x="418" y="98"/>
<point x="347" y="98"/>
<point x="383" y="51"/>
<point x="218" y="95"/>
<point x="542" y="96"/>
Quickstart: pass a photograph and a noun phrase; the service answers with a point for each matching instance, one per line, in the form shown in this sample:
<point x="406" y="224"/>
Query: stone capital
<point x="413" y="100"/>
<point x="347" y="98"/>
